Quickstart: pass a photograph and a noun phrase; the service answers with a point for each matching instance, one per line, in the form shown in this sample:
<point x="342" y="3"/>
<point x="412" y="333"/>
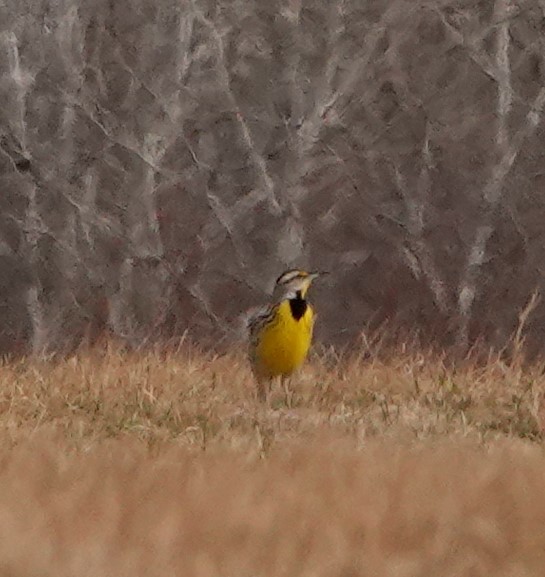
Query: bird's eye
<point x="288" y="276"/>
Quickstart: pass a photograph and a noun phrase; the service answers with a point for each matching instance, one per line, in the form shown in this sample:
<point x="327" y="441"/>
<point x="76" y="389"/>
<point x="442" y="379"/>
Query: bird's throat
<point x="298" y="306"/>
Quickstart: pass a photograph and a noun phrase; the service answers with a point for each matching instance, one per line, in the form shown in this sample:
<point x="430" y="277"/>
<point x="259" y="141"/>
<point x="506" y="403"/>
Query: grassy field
<point x="164" y="463"/>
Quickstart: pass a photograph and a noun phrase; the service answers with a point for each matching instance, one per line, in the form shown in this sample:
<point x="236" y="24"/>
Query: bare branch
<point x="268" y="191"/>
<point x="509" y="149"/>
<point x="415" y="204"/>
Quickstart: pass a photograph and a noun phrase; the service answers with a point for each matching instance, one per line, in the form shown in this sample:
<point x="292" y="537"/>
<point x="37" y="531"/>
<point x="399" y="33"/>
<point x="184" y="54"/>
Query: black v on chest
<point x="298" y="306"/>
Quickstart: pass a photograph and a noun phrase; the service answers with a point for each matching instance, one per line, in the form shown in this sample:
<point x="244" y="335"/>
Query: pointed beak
<point x="316" y="274"/>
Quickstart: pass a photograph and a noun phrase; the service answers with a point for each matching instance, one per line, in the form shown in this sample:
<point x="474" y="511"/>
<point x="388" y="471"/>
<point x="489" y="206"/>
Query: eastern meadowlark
<point x="280" y="334"/>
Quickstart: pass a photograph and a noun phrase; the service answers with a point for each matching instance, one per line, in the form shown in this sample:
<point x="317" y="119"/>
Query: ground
<point x="164" y="463"/>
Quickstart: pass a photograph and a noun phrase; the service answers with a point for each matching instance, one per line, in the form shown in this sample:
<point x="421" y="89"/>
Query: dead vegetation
<point x="204" y="401"/>
<point x="162" y="162"/>
<point x="163" y="463"/>
<point x="388" y="510"/>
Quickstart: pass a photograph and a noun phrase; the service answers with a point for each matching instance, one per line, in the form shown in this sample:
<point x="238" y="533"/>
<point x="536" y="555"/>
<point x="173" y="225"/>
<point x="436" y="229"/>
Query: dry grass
<point x="154" y="463"/>
<point x="204" y="401"/>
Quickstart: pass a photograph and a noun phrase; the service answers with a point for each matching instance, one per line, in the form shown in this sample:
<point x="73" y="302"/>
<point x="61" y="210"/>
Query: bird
<point x="280" y="334"/>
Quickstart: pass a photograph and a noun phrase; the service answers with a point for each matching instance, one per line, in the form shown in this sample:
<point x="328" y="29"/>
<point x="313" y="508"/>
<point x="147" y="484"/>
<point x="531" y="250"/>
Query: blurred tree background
<point x="162" y="161"/>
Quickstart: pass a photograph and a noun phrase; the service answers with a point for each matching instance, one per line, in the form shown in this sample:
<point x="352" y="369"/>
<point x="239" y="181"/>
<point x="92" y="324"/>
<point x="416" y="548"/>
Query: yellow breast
<point x="284" y="342"/>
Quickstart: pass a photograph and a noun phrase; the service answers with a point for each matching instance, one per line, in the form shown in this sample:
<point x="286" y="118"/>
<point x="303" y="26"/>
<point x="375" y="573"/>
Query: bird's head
<point x="294" y="281"/>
